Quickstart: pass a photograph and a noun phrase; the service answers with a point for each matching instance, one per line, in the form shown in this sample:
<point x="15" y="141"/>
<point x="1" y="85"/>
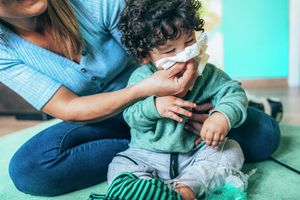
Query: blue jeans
<point x="71" y="156"/>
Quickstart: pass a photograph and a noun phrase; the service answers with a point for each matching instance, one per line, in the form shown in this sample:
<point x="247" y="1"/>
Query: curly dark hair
<point x="146" y="24"/>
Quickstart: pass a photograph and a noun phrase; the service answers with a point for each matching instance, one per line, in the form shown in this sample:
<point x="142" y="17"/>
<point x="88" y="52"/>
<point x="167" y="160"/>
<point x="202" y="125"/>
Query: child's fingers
<point x="179" y="110"/>
<point x="185" y="104"/>
<point x="222" y="137"/>
<point x="209" y="138"/>
<point x="216" y="140"/>
<point x="203" y="134"/>
<point x="175" y="117"/>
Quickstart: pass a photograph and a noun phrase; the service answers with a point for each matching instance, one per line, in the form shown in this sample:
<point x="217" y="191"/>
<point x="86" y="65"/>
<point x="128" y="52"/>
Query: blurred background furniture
<point x="13" y="105"/>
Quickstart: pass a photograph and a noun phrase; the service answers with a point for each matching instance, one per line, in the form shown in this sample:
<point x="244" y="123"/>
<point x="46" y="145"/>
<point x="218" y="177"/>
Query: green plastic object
<point x="228" y="191"/>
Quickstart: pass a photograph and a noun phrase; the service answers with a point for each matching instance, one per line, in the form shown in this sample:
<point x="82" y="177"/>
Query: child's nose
<point x="180" y="48"/>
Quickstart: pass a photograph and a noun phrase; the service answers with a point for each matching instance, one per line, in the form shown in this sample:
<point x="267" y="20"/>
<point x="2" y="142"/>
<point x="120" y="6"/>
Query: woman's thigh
<point x="258" y="136"/>
<point x="68" y="156"/>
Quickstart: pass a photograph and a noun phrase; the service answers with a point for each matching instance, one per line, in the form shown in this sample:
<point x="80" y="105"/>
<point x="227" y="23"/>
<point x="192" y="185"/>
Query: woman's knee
<point x="259" y="136"/>
<point x="30" y="167"/>
<point x="266" y="141"/>
<point x="27" y="174"/>
<point x="272" y="137"/>
<point x="42" y="166"/>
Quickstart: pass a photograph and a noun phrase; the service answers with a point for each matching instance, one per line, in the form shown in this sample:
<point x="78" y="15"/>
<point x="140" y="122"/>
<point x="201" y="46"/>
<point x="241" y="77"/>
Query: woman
<point x="65" y="58"/>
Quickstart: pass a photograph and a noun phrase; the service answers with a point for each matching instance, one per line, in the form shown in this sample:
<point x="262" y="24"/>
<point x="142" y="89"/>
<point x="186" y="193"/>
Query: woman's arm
<point x="67" y="106"/>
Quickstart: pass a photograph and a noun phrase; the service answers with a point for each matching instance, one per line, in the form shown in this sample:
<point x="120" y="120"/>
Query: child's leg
<point x="197" y="175"/>
<point x="128" y="162"/>
<point x="144" y="168"/>
<point x="148" y="163"/>
<point x="185" y="191"/>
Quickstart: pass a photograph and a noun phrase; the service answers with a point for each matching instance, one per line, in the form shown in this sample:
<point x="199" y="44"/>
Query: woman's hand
<point x="199" y="115"/>
<point x="175" y="81"/>
<point x="171" y="107"/>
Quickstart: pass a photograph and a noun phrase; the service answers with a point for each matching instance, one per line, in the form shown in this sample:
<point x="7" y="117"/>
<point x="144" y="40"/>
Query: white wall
<point x="294" y="49"/>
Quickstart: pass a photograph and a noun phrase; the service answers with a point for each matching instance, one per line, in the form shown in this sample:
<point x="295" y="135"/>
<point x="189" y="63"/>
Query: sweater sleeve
<point x="32" y="85"/>
<point x="142" y="115"/>
<point x="230" y="99"/>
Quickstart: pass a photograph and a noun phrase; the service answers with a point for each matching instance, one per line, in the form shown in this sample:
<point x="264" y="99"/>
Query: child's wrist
<point x="222" y="115"/>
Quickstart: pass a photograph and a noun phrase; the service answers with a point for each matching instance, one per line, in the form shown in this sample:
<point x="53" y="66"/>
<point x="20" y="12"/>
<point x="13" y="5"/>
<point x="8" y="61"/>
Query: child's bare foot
<point x="185" y="192"/>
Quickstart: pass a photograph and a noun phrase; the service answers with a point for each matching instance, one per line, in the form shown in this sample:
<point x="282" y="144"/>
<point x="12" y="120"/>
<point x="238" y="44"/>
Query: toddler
<point x="159" y="34"/>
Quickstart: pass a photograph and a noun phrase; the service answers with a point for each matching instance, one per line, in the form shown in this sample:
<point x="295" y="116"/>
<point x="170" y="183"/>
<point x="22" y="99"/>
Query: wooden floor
<point x="289" y="96"/>
<point x="10" y="124"/>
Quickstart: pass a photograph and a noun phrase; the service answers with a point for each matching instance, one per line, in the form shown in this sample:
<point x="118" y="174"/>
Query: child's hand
<point x="171" y="107"/>
<point x="214" y="130"/>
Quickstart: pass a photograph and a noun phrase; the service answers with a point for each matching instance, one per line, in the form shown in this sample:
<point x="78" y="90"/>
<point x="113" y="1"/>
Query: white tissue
<point x="198" y="50"/>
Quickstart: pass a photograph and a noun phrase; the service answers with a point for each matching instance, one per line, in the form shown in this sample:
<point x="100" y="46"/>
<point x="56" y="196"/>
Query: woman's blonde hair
<point x="60" y="22"/>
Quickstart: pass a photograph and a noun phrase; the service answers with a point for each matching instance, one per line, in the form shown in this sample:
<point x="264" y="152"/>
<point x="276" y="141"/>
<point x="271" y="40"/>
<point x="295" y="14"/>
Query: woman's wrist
<point x="144" y="89"/>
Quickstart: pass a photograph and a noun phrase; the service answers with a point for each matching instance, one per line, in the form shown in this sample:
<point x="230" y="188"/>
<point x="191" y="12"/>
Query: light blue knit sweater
<point x="36" y="73"/>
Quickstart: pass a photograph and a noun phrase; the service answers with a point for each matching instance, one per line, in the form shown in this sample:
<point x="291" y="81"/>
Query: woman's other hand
<point x="199" y="115"/>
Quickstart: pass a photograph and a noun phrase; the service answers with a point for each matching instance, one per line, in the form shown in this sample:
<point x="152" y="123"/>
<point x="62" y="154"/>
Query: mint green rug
<point x="271" y="181"/>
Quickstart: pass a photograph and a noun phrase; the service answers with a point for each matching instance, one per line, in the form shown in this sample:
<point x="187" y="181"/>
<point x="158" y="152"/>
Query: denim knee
<point x="29" y="176"/>
<point x="48" y="165"/>
<point x="269" y="141"/>
<point x="259" y="136"/>
<point x="273" y="137"/>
